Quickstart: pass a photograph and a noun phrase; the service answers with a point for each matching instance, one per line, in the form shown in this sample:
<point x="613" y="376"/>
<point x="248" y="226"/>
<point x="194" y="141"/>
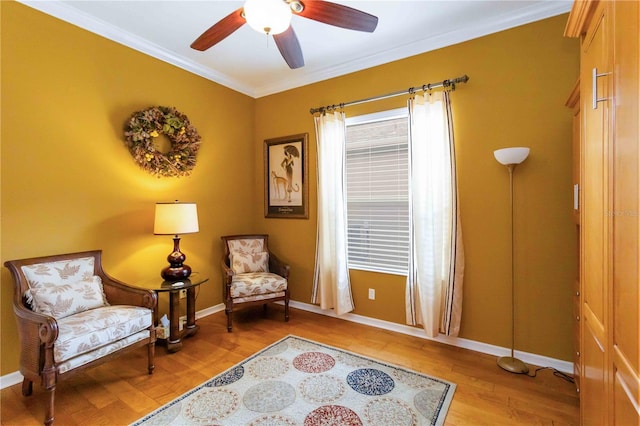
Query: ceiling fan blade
<point x="219" y="31"/>
<point x="338" y="15"/>
<point x="289" y="47"/>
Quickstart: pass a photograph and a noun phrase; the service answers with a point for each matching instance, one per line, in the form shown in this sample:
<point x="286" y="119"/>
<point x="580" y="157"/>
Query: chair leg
<point x="48" y="417"/>
<point x="27" y="387"/>
<point x="286" y="308"/>
<point x="151" y="357"/>
<point x="228" y="311"/>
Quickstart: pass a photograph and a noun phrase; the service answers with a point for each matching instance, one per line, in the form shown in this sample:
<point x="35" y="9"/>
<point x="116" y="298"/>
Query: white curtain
<point x="331" y="285"/>
<point x="436" y="262"/>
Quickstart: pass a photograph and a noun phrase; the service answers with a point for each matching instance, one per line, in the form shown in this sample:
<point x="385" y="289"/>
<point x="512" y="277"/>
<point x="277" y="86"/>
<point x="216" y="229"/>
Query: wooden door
<point x="625" y="216"/>
<point x="594" y="221"/>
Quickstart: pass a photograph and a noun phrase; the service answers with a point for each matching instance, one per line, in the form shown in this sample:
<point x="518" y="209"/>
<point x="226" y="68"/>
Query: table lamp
<point x="174" y="219"/>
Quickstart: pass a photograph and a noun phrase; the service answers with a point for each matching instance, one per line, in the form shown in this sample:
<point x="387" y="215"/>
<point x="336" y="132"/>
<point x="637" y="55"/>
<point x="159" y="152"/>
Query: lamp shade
<point x="509" y="156"/>
<point x="267" y="16"/>
<point x="176" y="218"/>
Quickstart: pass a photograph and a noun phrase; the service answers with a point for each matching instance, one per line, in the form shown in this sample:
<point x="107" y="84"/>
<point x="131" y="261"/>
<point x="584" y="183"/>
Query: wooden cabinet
<point x="608" y="162"/>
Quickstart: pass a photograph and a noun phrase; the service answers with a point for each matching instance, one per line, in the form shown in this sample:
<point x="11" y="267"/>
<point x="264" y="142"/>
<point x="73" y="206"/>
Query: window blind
<point x="377" y="184"/>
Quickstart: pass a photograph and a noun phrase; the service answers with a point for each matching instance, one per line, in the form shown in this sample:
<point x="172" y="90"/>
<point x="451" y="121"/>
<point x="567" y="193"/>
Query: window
<point x="377" y="164"/>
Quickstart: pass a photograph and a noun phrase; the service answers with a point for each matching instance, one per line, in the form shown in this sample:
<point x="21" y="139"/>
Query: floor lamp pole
<point x="511" y="363"/>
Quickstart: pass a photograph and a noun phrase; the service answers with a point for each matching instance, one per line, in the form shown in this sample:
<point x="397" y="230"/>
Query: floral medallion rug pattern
<point x="299" y="382"/>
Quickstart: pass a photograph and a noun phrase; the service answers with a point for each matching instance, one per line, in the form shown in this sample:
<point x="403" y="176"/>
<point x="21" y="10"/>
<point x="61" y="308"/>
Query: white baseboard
<point x="208" y="311"/>
<point x="529" y="358"/>
<point x="10" y="379"/>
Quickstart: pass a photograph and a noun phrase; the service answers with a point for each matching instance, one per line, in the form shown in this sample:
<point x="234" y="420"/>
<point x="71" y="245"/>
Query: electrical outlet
<point x="372" y="294"/>
<point x="183" y="294"/>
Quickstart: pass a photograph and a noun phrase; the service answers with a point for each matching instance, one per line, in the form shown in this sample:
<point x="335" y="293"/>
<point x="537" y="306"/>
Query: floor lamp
<point x="511" y="157"/>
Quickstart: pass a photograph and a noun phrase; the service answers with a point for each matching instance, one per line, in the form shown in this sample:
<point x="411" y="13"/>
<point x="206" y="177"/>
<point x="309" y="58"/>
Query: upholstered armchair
<point x="252" y="274"/>
<point x="71" y="315"/>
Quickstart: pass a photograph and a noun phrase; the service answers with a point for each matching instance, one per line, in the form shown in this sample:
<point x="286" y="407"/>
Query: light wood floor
<point x="121" y="392"/>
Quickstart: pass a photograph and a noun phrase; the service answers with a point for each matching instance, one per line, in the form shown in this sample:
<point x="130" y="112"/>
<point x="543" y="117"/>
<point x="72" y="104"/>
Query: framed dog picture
<point x="286" y="187"/>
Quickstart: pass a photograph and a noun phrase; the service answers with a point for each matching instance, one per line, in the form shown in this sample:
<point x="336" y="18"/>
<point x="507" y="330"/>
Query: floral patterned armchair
<point x="251" y="274"/>
<point x="71" y="315"/>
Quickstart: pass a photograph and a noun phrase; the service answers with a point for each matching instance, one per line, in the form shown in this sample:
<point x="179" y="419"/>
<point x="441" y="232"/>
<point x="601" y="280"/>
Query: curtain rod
<point x="444" y="83"/>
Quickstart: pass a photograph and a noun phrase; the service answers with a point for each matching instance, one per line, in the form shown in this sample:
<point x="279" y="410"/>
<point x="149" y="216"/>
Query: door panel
<point x="594" y="223"/>
<point x="625" y="215"/>
<point x="592" y="388"/>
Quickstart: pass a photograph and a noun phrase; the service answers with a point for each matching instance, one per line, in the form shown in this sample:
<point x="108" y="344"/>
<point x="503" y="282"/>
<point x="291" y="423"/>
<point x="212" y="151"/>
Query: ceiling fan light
<point x="267" y="16"/>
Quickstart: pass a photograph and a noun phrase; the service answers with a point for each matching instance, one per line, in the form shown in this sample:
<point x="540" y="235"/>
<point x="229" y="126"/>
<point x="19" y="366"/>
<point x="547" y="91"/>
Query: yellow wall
<point x="69" y="183"/>
<point x="520" y="79"/>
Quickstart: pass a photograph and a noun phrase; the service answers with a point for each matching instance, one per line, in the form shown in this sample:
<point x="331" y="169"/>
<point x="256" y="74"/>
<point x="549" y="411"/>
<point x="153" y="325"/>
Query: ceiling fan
<point x="273" y="17"/>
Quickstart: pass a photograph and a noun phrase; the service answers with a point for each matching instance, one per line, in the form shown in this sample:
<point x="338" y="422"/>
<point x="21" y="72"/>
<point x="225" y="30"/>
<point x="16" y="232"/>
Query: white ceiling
<point x="250" y="62"/>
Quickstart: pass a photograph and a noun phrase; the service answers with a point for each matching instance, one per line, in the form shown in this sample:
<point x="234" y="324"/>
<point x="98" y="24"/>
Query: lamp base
<point x="512" y="365"/>
<point x="171" y="273"/>
<point x="176" y="269"/>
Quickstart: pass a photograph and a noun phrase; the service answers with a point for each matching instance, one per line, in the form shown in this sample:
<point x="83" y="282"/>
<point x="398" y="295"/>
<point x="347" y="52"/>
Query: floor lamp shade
<point x="176" y="219"/>
<point x="507" y="156"/>
<point x="511" y="157"/>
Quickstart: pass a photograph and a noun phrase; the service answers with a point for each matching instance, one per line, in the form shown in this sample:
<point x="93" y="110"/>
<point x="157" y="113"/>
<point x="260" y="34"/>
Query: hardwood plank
<point x="121" y="392"/>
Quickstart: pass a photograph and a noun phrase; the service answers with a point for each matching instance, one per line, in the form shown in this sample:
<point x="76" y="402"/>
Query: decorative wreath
<point x="144" y="126"/>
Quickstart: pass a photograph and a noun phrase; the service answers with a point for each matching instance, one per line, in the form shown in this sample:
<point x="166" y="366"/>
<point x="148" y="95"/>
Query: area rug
<point x="299" y="382"/>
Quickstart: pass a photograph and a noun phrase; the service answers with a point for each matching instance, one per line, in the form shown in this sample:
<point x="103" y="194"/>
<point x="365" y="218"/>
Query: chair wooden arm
<point x="34" y="331"/>
<point x="119" y="293"/>
<point x="227" y="272"/>
<point x="46" y="326"/>
<point x="277" y="266"/>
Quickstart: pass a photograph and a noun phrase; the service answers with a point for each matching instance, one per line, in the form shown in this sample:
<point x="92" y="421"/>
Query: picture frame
<point x="286" y="168"/>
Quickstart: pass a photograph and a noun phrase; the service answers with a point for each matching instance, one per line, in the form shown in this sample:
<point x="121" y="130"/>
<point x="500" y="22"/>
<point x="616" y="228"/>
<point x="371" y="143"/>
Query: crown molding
<point x="527" y="15"/>
<point x="534" y="12"/>
<point x="87" y="22"/>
